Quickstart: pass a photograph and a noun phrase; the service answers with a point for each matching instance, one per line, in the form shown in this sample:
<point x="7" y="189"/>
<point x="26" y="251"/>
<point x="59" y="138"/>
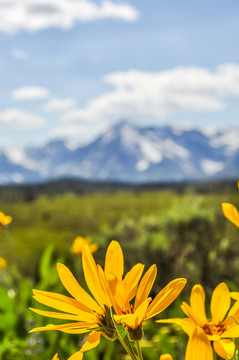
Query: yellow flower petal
<point x="117" y="293"/>
<point x="92" y="277"/>
<point x="231" y="332"/>
<point x="234" y="295"/>
<point x="135" y="319"/>
<point x="145" y="285"/>
<point x="77" y="356"/>
<point x="165" y="297"/>
<point x="56" y="304"/>
<point x="231" y="213"/>
<point x="220" y="303"/>
<point x="191" y="314"/>
<point x="79" y="330"/>
<point x="187" y="325"/>
<point x="55" y="357"/>
<point x="81" y="327"/>
<point x="199" y="347"/>
<point x="104" y="286"/>
<point x="55" y="315"/>
<point x="233" y="313"/>
<point x="214" y="337"/>
<point x="197" y="302"/>
<point x="166" y="357"/>
<point x="114" y="260"/>
<point x="63" y="298"/>
<point x="131" y="280"/>
<point x="224" y="348"/>
<point x="73" y="287"/>
<point x="92" y="341"/>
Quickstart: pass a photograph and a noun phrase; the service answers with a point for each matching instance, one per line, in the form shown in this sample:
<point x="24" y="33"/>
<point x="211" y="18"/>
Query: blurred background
<point x="119" y="120"/>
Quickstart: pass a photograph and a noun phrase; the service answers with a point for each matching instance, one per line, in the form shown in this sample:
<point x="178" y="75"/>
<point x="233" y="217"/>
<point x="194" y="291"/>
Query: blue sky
<point x="72" y="68"/>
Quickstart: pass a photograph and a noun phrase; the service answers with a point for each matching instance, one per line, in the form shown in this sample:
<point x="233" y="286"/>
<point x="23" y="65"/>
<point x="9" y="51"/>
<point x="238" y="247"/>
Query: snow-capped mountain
<point x="130" y="154"/>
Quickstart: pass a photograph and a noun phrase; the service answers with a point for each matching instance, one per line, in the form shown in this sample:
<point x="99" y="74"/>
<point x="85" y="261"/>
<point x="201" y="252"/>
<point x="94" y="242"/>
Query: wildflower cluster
<point x="118" y="305"/>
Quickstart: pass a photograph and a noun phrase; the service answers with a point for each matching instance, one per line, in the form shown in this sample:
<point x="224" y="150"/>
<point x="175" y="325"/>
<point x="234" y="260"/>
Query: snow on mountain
<point x="228" y="139"/>
<point x="11" y="172"/>
<point x="130" y="154"/>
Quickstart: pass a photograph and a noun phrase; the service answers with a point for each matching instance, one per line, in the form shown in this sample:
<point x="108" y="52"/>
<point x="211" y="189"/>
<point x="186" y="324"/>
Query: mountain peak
<point x="130" y="153"/>
<point x="122" y="124"/>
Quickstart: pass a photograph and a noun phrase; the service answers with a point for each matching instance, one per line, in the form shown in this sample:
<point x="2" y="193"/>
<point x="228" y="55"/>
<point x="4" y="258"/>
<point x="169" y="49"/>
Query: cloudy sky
<point x="72" y="68"/>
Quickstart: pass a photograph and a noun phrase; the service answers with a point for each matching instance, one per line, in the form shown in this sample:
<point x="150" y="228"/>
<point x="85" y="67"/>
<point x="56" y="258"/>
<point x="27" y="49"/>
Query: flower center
<point x="127" y="311"/>
<point x="214" y="329"/>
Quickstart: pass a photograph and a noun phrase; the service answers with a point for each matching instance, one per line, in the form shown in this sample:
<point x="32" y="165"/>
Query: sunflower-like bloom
<point x="87" y="313"/>
<point x="3" y="263"/>
<point x="110" y="290"/>
<point x="231" y="212"/>
<point x="143" y="308"/>
<point x="166" y="357"/>
<point x="4" y="219"/>
<point x="202" y="331"/>
<point x="79" y="244"/>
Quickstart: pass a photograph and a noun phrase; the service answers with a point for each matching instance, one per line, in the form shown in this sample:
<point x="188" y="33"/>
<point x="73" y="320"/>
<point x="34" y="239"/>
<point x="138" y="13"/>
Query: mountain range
<point x="126" y="153"/>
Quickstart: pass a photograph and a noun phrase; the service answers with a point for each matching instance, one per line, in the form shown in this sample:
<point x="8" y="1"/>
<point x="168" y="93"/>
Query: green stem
<point x="123" y="338"/>
<point x="127" y="349"/>
<point x="139" y="351"/>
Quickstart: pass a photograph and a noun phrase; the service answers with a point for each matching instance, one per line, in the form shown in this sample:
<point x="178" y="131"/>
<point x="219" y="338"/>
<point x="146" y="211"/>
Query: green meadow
<point x="181" y="229"/>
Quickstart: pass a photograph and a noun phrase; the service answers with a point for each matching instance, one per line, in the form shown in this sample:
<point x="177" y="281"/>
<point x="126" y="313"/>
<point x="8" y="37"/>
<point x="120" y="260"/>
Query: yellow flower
<point x="203" y="332"/>
<point x="4" y="219"/>
<point x="86" y="314"/>
<point x="109" y="290"/>
<point x="166" y="357"/>
<point x="3" y="263"/>
<point x="79" y="244"/>
<point x="123" y="291"/>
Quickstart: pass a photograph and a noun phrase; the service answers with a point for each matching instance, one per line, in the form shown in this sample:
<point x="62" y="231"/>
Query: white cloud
<point x="56" y="104"/>
<point x="20" y="118"/>
<point x="30" y="93"/>
<point x="153" y="95"/>
<point x="28" y="15"/>
<point x="19" y="54"/>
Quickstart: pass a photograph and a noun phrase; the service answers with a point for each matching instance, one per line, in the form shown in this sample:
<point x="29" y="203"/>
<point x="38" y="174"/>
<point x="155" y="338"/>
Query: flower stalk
<point x="124" y="339"/>
<point x="139" y="351"/>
